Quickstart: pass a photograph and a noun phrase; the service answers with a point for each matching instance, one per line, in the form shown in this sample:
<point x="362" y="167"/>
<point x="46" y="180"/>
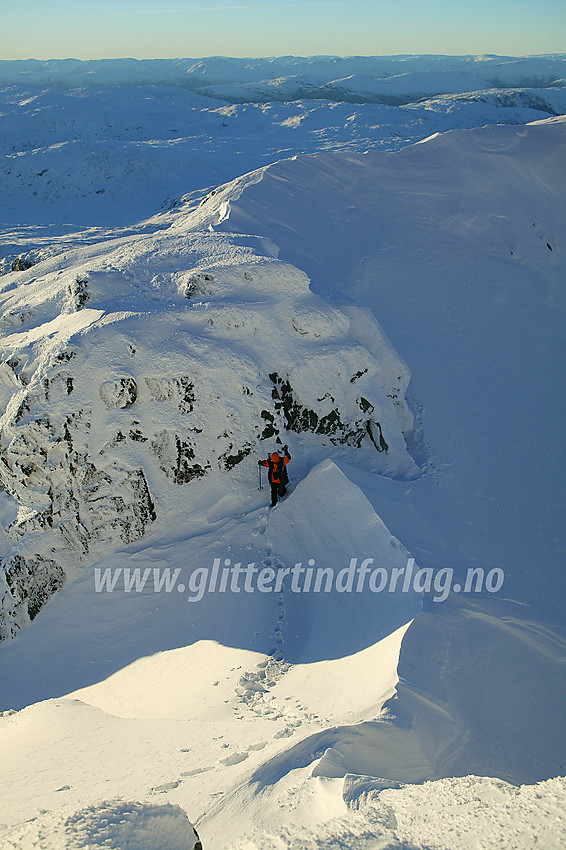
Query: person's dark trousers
<point x="274" y="494"/>
<point x="277" y="492"/>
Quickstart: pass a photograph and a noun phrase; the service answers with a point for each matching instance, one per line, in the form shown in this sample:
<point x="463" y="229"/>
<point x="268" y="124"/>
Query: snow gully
<point x="224" y="576"/>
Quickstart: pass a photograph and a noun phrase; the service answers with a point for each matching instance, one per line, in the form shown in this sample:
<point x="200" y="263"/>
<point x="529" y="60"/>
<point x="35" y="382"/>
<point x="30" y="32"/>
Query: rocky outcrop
<point x="25" y="586"/>
<point x="122" y="385"/>
<point x="121" y="393"/>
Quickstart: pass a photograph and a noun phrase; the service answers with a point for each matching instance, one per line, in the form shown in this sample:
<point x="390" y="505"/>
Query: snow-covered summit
<point x="136" y="367"/>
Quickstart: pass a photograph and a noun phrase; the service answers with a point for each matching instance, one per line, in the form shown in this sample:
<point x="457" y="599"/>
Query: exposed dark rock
<point x="22" y="410"/>
<point x="14" y="319"/>
<point x="132" y="509"/>
<point x="143" y="505"/>
<point x="29" y="583"/>
<point x="364" y="405"/>
<point x="121" y="393"/>
<point x="187" y="396"/>
<point x="177" y="458"/>
<point x="39" y="521"/>
<point x="63" y="357"/>
<point x="378" y="440"/>
<point x="357" y="375"/>
<point x="181" y="388"/>
<point x="136" y="435"/>
<point x="299" y="418"/>
<point x="86" y="505"/>
<point x="229" y="461"/>
<point x="270" y="429"/>
<point x="198" y="285"/>
<point x="21" y="264"/>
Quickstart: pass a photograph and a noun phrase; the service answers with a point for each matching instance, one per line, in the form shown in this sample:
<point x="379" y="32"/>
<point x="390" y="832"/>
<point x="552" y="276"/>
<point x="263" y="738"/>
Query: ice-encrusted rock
<point x="115" y="824"/>
<point x="120" y="393"/>
<point x="132" y="826"/>
<point x="25" y="586"/>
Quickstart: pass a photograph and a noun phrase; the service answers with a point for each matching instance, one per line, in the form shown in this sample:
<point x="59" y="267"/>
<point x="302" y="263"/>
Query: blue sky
<point x="83" y="29"/>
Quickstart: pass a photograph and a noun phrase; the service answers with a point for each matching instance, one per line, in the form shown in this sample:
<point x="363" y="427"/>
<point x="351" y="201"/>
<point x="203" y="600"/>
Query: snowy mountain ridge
<point x="104" y="157"/>
<point x="362" y="79"/>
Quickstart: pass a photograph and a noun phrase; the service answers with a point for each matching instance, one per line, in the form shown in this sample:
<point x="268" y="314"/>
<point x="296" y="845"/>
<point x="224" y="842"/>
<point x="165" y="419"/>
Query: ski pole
<point x="259" y="473"/>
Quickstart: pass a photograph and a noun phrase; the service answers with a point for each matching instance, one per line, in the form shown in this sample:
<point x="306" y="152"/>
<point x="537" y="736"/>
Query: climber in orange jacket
<point x="277" y="474"/>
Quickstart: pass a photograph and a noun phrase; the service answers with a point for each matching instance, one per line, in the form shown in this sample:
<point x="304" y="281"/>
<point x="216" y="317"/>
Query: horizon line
<point x="290" y="56"/>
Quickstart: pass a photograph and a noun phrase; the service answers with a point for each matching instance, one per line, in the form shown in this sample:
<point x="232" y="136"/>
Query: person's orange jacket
<point x="273" y="465"/>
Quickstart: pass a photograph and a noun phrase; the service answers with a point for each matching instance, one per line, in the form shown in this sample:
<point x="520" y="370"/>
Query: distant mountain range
<point x="391" y="80"/>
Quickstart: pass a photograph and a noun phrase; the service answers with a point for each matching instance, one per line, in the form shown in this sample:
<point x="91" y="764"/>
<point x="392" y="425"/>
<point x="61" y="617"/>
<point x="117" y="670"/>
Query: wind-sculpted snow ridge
<point x="448" y="717"/>
<point x="131" y="369"/>
<point x="451" y="814"/>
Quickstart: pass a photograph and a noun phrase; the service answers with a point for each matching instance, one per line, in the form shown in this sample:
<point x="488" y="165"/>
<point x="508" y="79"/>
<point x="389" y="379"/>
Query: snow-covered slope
<point x="112" y="143"/>
<point x="456" y="245"/>
<point x="458" y="242"/>
<point x="142" y="377"/>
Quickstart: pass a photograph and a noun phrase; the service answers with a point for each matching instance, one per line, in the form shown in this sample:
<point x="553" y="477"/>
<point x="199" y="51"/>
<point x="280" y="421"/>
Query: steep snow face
<point x="136" y="367"/>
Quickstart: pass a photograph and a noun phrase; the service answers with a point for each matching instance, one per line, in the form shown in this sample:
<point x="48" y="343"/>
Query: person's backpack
<point x="275" y="466"/>
<point x="278" y="469"/>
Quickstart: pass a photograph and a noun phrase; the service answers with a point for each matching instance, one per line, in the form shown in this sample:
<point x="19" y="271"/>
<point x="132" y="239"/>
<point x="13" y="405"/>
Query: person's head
<point x="274" y="456"/>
